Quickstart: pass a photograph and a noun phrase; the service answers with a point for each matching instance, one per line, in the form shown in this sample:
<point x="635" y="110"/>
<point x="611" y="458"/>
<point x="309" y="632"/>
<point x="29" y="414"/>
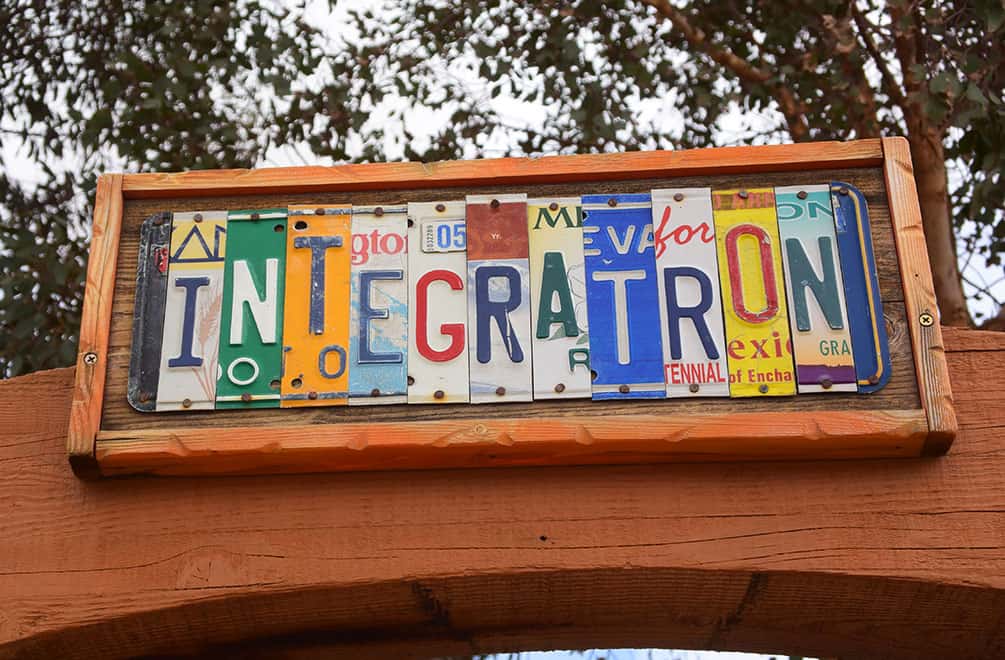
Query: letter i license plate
<point x="626" y="353"/>
<point x="316" y="327"/>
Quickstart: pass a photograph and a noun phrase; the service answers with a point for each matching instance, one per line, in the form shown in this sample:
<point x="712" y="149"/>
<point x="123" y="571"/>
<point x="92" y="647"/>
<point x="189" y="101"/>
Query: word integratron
<point x="689" y="292"/>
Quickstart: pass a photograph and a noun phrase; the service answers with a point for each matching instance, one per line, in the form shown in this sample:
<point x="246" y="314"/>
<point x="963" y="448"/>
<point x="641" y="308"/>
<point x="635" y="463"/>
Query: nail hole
<point x="543" y="537"/>
<point x="411" y="222"/>
<point x="274" y="384"/>
<point x="296" y="382"/>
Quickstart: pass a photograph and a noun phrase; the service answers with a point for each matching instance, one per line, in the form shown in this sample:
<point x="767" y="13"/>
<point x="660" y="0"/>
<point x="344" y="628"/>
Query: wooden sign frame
<point x="171" y="448"/>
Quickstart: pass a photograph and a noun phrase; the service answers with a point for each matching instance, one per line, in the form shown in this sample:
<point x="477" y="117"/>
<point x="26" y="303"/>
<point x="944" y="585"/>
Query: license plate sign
<point x="821" y="341"/>
<point x="561" y="349"/>
<point x="378" y="342"/>
<point x="190" y="348"/>
<point x="251" y="350"/>
<point x="758" y="344"/>
<point x="687" y="271"/>
<point x="499" y="353"/>
<point x="316" y="324"/>
<point x="437" y="305"/>
<point x="626" y="354"/>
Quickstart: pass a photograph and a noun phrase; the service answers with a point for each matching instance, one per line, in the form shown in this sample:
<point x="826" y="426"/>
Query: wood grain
<point x="879" y="558"/>
<point x="508" y="171"/>
<point x="901" y="394"/>
<point x="919" y="296"/>
<point x="92" y="352"/>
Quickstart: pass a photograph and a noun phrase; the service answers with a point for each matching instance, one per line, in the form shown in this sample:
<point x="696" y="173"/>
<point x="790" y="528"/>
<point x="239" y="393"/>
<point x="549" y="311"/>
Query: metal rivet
<point x="553" y="206"/>
<point x="873" y="379"/>
<point x="843" y="190"/>
<point x="926" y="319"/>
<point x="560" y="388"/>
<point x="501" y="390"/>
<point x="438" y="394"/>
<point x="624" y="389"/>
<point x="312" y="396"/>
<point x="678" y="197"/>
<point x="494" y="203"/>
<point x="411" y="381"/>
<point x="319" y="211"/>
<point x="694" y="388"/>
<point x="801" y="194"/>
<point x="246" y="397"/>
<point x="197" y="217"/>
<point x="186" y="403"/>
<point x="826" y="382"/>
<point x="379" y="211"/>
<point x="743" y="194"/>
<point x="612" y="202"/>
<point x="255" y="216"/>
<point x="763" y="389"/>
<point x="441" y="208"/>
<point x="90" y="358"/>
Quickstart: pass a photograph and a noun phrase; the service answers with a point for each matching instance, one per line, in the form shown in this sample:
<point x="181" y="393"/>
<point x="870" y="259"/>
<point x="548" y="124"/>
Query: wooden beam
<point x="92" y="352"/>
<point x="896" y="558"/>
<point x="507" y="171"/>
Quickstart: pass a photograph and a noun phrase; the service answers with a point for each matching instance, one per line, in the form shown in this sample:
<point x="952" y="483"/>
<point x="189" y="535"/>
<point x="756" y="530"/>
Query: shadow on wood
<point x="892" y="558"/>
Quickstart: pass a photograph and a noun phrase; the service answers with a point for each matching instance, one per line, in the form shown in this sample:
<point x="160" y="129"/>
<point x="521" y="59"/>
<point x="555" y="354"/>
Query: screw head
<point x="843" y="190"/>
<point x="312" y="396"/>
<point x="763" y="389"/>
<point x="926" y="319"/>
<point x="612" y="202"/>
<point x="441" y="208"/>
<point x="246" y="397"/>
<point x="375" y="392"/>
<point x="873" y="379"/>
<point x="743" y="194"/>
<point x="186" y="403"/>
<point x="411" y="380"/>
<point x="319" y="211"/>
<point x="694" y="388"/>
<point x="801" y="194"/>
<point x="255" y="216"/>
<point x="826" y="382"/>
<point x="90" y="358"/>
<point x="197" y="217"/>
<point x="624" y="389"/>
<point x="678" y="197"/>
<point x="560" y="388"/>
<point x="494" y="203"/>
<point x="379" y="211"/>
<point x="553" y="206"/>
<point x="438" y="394"/>
<point x="500" y="391"/>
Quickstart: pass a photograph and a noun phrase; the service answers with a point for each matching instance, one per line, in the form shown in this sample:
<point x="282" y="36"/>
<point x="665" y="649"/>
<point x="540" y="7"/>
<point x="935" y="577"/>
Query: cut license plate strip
<point x="148" y="311"/>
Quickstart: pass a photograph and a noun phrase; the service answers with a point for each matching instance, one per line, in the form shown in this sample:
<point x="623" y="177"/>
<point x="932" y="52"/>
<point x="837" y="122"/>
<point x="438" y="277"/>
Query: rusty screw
<point x="694" y="388"/>
<point x="743" y="194"/>
<point x="624" y="389"/>
<point x="553" y="206"/>
<point x="438" y="394"/>
<point x="312" y="396"/>
<point x="801" y="194"/>
<point x="612" y="202"/>
<point x="440" y="208"/>
<point x="826" y="382"/>
<point x="763" y="389"/>
<point x="186" y="403"/>
<point x="379" y="211"/>
<point x="246" y="397"/>
<point x="501" y="391"/>
<point x="560" y="388"/>
<point x="678" y="197"/>
<point x="90" y="358"/>
<point x="494" y="204"/>
<point x="926" y="319"/>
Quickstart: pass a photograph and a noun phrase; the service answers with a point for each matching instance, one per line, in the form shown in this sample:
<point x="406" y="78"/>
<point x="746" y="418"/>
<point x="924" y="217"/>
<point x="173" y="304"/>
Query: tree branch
<point x="744" y="70"/>
<point x="890" y="85"/>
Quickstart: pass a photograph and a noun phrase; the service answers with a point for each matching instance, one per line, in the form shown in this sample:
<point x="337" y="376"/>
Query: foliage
<point x="164" y="86"/>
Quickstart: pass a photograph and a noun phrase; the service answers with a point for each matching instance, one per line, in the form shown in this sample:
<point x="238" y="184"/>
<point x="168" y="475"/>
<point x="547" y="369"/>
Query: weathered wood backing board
<point x="900" y="420"/>
<point x="900" y="394"/>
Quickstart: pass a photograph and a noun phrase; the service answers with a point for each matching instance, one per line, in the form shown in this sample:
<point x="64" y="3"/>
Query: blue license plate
<point x="626" y="351"/>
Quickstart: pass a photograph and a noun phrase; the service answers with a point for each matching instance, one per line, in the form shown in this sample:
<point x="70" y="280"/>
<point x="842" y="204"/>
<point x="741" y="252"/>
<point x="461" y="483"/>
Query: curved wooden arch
<point x="892" y="558"/>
